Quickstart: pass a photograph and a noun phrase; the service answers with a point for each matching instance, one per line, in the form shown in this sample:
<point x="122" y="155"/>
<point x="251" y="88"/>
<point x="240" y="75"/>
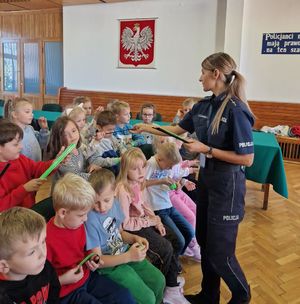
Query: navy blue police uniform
<point x="220" y="202"/>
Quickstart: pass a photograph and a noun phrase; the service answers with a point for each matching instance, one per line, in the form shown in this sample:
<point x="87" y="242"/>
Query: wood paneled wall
<point x="165" y="105"/>
<point x="267" y="113"/>
<point x="275" y="113"/>
<point x="38" y="26"/>
<point x="41" y="24"/>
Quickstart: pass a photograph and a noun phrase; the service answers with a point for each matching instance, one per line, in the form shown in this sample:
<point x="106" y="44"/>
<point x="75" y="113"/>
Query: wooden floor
<point x="268" y="246"/>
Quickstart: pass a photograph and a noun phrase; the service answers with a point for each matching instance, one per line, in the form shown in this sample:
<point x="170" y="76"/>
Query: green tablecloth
<point x="161" y="123"/>
<point x="51" y="116"/>
<point x="268" y="165"/>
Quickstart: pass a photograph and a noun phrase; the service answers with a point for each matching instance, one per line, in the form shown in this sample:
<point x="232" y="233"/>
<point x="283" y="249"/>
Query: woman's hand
<point x="196" y="146"/>
<point x="138" y="128"/>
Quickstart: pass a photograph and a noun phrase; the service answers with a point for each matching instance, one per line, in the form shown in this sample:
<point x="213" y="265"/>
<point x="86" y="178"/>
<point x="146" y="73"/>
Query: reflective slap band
<point x="88" y="257"/>
<point x="58" y="160"/>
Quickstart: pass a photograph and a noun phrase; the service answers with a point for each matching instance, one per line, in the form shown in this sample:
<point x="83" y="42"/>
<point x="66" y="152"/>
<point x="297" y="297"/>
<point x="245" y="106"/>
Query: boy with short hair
<point x="122" y="132"/>
<point x="187" y="105"/>
<point x="105" y="146"/>
<point x="122" y="263"/>
<point x="25" y="274"/>
<point x="19" y="175"/>
<point x="73" y="198"/>
<point x="157" y="190"/>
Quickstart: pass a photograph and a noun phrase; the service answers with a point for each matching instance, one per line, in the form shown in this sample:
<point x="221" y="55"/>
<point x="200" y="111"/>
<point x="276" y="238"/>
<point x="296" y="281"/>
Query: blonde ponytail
<point x="11" y="105"/>
<point x="234" y="82"/>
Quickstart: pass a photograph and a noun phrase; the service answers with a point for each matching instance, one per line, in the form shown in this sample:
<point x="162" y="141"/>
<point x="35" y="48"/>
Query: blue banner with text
<point x="281" y="43"/>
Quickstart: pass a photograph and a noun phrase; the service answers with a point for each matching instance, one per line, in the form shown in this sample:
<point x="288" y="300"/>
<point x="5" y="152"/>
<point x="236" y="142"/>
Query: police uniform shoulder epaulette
<point x="205" y="98"/>
<point x="233" y="102"/>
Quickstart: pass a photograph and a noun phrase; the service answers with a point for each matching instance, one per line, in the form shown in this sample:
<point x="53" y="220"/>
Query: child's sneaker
<point x="193" y="251"/>
<point x="188" y="252"/>
<point x="173" y="295"/>
<point x="181" y="282"/>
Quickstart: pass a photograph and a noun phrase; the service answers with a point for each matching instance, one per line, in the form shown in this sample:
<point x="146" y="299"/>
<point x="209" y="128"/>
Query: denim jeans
<point x="180" y="226"/>
<point x="99" y="290"/>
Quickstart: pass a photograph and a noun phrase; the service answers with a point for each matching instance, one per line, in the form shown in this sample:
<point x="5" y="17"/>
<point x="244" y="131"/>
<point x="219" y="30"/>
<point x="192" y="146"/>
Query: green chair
<point x="147" y="149"/>
<point x="52" y="107"/>
<point x="45" y="208"/>
<point x="157" y="117"/>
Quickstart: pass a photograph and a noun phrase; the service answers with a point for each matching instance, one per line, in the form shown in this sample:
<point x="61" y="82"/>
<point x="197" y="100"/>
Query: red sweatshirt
<point x="19" y="172"/>
<point x="65" y="250"/>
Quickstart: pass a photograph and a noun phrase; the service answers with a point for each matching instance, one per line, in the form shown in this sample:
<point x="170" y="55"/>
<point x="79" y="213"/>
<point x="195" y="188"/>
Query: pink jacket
<point x="137" y="212"/>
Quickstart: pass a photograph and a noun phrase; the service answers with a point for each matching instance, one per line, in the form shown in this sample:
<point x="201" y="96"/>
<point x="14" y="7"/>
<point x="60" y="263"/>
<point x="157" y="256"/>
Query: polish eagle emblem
<point x="136" y="42"/>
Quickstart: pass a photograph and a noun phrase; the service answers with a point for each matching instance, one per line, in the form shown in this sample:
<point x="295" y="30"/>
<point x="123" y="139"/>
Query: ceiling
<point x="21" y="5"/>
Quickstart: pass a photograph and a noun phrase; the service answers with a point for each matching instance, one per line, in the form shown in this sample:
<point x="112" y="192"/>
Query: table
<point x="268" y="165"/>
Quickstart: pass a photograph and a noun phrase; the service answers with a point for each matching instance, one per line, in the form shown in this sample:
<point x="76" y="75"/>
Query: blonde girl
<point x="141" y="220"/>
<point x="20" y="112"/>
<point x="78" y="115"/>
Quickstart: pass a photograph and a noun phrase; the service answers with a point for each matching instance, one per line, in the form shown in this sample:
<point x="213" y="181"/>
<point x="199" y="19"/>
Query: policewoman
<point x="223" y="125"/>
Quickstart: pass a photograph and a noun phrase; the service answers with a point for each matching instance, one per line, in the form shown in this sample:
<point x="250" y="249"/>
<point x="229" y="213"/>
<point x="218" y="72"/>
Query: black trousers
<point x="161" y="253"/>
<point x="220" y="209"/>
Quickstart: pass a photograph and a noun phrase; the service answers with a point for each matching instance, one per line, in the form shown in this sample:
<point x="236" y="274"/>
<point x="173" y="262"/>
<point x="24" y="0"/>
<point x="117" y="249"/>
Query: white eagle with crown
<point x="136" y="41"/>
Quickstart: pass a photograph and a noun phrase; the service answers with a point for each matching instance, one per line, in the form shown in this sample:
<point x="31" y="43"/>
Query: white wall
<point x="185" y="35"/>
<point x="186" y="32"/>
<point x="233" y="28"/>
<point x="270" y="77"/>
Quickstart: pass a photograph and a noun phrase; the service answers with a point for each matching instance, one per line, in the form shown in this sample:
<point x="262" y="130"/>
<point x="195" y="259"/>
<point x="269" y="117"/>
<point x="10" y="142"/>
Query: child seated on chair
<point x="158" y="182"/>
<point x="19" y="175"/>
<point x="65" y="132"/>
<point x="89" y="129"/>
<point x="107" y="149"/>
<point x="73" y="198"/>
<point x="20" y="111"/>
<point x="122" y="132"/>
<point x="25" y="274"/>
<point x="86" y="105"/>
<point x="122" y="263"/>
<point x="187" y="105"/>
<point x="140" y="220"/>
<point x="147" y="114"/>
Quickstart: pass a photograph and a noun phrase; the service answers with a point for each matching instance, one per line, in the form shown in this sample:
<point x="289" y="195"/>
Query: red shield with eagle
<point x="137" y="42"/>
